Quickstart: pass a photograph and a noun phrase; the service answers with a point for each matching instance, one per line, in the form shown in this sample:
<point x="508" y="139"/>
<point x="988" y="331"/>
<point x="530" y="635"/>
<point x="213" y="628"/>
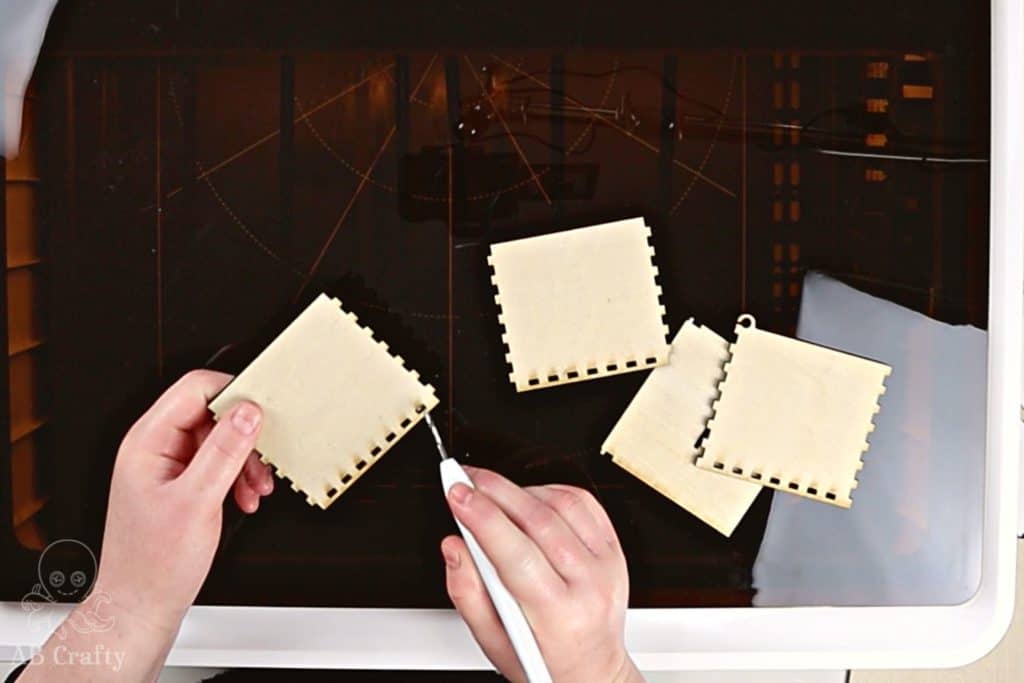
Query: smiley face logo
<point x="67" y="570"/>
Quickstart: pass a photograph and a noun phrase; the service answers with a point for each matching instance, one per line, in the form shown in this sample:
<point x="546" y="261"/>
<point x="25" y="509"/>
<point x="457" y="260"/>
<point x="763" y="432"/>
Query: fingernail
<point x="460" y="494"/>
<point x="246" y="418"/>
<point x="451" y="558"/>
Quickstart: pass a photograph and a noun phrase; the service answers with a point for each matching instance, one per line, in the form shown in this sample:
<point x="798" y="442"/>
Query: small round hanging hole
<point x="746" y="320"/>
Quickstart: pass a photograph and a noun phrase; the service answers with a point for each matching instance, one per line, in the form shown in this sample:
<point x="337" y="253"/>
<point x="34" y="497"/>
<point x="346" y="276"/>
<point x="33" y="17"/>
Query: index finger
<point x="183" y="407"/>
<point x="520" y="564"/>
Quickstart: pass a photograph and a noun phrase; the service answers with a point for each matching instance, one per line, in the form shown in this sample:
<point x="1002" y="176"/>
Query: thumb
<point x="222" y="454"/>
<point x="467" y="592"/>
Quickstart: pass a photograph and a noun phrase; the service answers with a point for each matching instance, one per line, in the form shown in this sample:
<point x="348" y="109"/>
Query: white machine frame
<point x="721" y="638"/>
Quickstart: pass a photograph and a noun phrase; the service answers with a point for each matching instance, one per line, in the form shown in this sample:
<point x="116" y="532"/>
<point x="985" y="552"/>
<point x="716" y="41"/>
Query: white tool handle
<point x="505" y="605"/>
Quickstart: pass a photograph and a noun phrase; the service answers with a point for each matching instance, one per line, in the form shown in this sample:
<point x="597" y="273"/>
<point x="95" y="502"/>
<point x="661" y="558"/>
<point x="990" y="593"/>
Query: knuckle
<point x="462" y="586"/>
<point x="567" y="499"/>
<point x="191" y="377"/>
<point x="527" y="563"/>
<point x="484" y="479"/>
<point x="485" y="511"/>
<point x="565" y="555"/>
<point x="586" y="497"/>
<point x="219" y="447"/>
<point x="540" y="519"/>
<point x="194" y="374"/>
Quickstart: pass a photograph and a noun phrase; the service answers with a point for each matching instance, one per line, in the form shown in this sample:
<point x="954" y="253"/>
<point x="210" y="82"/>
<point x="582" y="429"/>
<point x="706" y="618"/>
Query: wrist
<point x="131" y="610"/>
<point x="627" y="672"/>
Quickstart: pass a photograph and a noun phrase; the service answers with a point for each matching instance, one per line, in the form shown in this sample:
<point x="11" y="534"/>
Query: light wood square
<point x="655" y="439"/>
<point x="793" y="415"/>
<point x="579" y="304"/>
<point x="334" y="400"/>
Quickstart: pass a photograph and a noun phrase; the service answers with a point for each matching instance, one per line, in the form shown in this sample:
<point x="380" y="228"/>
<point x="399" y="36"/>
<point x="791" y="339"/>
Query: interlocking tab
<point x="334" y="400"/>
<point x="792" y="415"/>
<point x="579" y="304"/>
<point x="656" y="438"/>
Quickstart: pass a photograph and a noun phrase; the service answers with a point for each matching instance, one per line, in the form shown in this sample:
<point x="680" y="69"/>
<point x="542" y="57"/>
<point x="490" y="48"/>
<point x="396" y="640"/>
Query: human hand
<point x="557" y="553"/>
<point x="173" y="470"/>
<point x="172" y="473"/>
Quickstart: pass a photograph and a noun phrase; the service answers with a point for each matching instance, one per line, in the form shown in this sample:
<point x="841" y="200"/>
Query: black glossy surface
<point x="154" y="273"/>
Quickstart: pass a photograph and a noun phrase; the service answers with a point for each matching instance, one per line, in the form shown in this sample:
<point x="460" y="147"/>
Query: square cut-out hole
<point x="390" y="437"/>
<point x="331" y="492"/>
<point x="533" y="381"/>
<point x="830" y="495"/>
<point x="650" y="361"/>
<point x="572" y="374"/>
<point x="719" y="465"/>
<point x="794" y="486"/>
<point x="405" y="423"/>
<point x="774" y="481"/>
<point x="375" y="451"/>
<point x="755" y="476"/>
<point x="631" y="363"/>
<point x="592" y="371"/>
<point x="346" y="479"/>
<point x="420" y="408"/>
<point x="737" y="470"/>
<point x="361" y="464"/>
<point x="612" y="367"/>
<point x="552" y="378"/>
<point x="811" y="491"/>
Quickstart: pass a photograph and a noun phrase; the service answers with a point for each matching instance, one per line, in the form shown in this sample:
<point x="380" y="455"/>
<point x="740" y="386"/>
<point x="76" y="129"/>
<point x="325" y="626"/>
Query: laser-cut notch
<point x="658" y="437"/>
<point x="559" y="308"/>
<point x="804" y="434"/>
<point x="325" y="358"/>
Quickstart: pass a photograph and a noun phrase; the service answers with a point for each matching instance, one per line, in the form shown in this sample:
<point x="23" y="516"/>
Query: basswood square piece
<point x="655" y="439"/>
<point x="579" y="304"/>
<point x="793" y="415"/>
<point x="334" y="400"/>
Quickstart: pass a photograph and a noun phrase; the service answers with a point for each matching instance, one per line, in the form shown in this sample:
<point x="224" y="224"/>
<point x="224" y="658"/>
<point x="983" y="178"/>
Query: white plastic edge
<point x="726" y="638"/>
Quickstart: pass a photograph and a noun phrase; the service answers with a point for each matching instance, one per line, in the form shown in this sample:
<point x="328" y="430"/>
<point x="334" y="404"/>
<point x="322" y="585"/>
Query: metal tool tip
<point x="437" y="436"/>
